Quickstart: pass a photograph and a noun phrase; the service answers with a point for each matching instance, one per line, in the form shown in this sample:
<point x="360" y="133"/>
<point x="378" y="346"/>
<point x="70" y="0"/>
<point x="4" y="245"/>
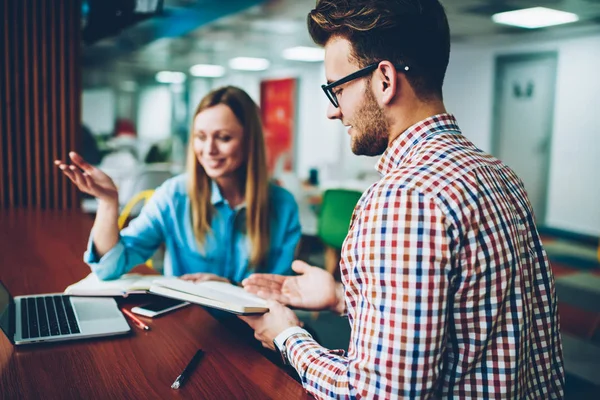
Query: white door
<point x="523" y="121"/>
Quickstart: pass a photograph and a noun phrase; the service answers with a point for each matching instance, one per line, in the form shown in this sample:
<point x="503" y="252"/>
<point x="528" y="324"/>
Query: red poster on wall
<point x="278" y="109"/>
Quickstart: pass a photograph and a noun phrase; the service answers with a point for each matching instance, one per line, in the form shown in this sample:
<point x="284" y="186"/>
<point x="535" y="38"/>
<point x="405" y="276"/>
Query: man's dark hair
<point x="404" y="32"/>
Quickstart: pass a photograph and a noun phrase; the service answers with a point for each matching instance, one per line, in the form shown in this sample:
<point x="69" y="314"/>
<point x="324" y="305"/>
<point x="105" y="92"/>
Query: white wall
<point x="98" y="110"/>
<point x="154" y="114"/>
<point x="154" y="120"/>
<point x="198" y="89"/>
<point x="574" y="192"/>
<point x="469" y="92"/>
<point x="574" y="185"/>
<point x="318" y="140"/>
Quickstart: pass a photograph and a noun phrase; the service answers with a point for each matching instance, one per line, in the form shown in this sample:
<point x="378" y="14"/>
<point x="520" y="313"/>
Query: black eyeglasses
<point x="355" y="75"/>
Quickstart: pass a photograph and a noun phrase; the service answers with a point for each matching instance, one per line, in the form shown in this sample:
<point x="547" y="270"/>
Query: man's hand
<point x="267" y="326"/>
<point x="203" y="277"/>
<point x="314" y="289"/>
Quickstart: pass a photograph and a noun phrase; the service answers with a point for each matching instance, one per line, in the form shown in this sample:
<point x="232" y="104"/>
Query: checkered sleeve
<point x="399" y="246"/>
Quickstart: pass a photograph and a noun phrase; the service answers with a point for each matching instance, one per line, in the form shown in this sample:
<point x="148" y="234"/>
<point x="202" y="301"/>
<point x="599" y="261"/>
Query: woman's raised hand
<point x="88" y="178"/>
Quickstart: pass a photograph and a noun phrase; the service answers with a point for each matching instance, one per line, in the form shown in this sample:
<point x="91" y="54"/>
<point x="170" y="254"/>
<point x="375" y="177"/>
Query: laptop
<point x="57" y="317"/>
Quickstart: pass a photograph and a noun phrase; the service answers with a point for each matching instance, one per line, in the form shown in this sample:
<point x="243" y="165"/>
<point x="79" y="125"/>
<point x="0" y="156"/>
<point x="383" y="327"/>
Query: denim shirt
<point x="166" y="218"/>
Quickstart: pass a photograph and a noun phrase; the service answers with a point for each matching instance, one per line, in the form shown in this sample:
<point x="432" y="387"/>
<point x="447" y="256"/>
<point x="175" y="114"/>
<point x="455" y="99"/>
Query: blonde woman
<point x="221" y="220"/>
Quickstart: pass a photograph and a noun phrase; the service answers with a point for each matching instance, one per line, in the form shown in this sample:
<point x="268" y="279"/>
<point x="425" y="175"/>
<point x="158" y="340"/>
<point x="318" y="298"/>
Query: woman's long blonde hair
<point x="254" y="169"/>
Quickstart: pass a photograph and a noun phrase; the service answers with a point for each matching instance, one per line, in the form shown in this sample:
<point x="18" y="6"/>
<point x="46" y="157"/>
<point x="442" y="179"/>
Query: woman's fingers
<point x="77" y="174"/>
<point x="82" y="179"/>
<point x="68" y="170"/>
<point x="197" y="277"/>
<point x="65" y="170"/>
<point x="80" y="162"/>
<point x="203" y="277"/>
<point x="188" y="277"/>
<point x="89" y="181"/>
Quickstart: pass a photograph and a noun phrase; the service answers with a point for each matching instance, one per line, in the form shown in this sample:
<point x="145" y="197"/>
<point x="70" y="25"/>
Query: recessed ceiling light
<point x="249" y="63"/>
<point x="170" y="77"/>
<point x="302" y="53"/>
<point x="536" y="17"/>
<point x="207" y="70"/>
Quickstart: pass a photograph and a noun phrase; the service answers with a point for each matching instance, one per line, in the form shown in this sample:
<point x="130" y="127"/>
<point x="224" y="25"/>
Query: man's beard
<point x="371" y="126"/>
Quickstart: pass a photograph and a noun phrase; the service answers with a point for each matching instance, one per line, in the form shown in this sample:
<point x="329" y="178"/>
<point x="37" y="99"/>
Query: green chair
<point x="337" y="206"/>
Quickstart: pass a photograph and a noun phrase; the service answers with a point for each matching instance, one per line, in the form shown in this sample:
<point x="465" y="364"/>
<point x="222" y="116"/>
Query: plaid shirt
<point x="448" y="290"/>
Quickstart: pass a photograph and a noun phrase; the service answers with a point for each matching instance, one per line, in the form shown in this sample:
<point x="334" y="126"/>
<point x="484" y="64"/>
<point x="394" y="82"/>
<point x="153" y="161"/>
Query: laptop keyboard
<point x="47" y="316"/>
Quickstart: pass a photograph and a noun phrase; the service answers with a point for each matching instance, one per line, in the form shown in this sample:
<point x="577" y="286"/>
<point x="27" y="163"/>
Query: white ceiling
<point x="266" y="30"/>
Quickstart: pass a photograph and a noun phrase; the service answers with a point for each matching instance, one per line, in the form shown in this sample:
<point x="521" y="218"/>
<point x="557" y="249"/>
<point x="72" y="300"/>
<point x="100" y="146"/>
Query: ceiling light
<point x="536" y="17"/>
<point x="249" y="63"/>
<point x="207" y="70"/>
<point x="302" y="53"/>
<point x="170" y="77"/>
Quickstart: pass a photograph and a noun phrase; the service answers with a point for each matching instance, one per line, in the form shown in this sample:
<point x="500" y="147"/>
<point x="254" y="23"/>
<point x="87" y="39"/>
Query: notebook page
<point x="128" y="282"/>
<point x="220" y="291"/>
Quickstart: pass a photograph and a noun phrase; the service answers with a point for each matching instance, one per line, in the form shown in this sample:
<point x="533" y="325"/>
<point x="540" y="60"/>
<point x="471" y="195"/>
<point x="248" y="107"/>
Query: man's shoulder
<point x="410" y="179"/>
<point x="438" y="164"/>
<point x="425" y="178"/>
<point x="394" y="184"/>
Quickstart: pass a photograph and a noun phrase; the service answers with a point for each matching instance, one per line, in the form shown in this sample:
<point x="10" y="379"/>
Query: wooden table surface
<point x="41" y="252"/>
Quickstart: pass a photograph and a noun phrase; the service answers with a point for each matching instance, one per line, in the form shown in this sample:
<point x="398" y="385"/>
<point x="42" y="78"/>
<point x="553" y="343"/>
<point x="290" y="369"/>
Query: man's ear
<point x="386" y="82"/>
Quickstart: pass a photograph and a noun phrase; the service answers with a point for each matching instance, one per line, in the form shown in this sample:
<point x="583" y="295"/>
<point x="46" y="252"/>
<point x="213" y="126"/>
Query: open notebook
<point x="220" y="295"/>
<point x="123" y="286"/>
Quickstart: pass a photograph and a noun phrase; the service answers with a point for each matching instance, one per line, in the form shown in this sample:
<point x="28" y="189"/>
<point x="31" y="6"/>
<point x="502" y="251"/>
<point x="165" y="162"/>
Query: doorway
<point x="523" y="115"/>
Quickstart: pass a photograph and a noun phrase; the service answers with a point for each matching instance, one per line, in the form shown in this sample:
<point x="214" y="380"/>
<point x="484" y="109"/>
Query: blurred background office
<point x="522" y="82"/>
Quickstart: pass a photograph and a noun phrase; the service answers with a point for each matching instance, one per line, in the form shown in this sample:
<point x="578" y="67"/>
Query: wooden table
<point x="41" y="252"/>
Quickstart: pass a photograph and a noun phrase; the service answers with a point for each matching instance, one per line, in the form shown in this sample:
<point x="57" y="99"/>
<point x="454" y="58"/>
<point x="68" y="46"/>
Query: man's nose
<point x="333" y="112"/>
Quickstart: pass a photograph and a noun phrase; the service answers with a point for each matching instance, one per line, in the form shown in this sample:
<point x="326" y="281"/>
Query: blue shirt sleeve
<point x="137" y="242"/>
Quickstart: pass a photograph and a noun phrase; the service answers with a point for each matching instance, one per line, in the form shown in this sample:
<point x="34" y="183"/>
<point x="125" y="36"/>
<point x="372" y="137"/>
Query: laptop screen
<point x="7" y="308"/>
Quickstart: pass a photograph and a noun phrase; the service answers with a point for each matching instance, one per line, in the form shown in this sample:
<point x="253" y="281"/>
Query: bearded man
<point x="448" y="291"/>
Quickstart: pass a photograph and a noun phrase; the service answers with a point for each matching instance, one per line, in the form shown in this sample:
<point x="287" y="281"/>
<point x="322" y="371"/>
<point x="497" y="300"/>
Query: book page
<point x="220" y="291"/>
<point x="129" y="282"/>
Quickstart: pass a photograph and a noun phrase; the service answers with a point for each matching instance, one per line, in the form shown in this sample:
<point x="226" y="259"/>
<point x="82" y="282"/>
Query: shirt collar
<point x="215" y="193"/>
<point x="399" y="148"/>
<point x="217" y="198"/>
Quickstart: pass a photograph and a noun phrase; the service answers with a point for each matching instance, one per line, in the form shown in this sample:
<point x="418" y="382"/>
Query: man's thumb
<point x="300" y="267"/>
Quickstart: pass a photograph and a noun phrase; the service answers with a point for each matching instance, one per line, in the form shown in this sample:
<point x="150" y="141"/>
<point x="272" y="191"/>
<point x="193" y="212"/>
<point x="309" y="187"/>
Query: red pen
<point x="136" y="320"/>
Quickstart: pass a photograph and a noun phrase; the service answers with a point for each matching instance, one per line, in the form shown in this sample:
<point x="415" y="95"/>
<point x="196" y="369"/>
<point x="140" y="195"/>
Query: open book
<point x="123" y="286"/>
<point x="220" y="295"/>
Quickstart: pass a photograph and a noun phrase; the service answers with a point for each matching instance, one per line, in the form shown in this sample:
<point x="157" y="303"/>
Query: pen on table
<point x="136" y="320"/>
<point x="187" y="370"/>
